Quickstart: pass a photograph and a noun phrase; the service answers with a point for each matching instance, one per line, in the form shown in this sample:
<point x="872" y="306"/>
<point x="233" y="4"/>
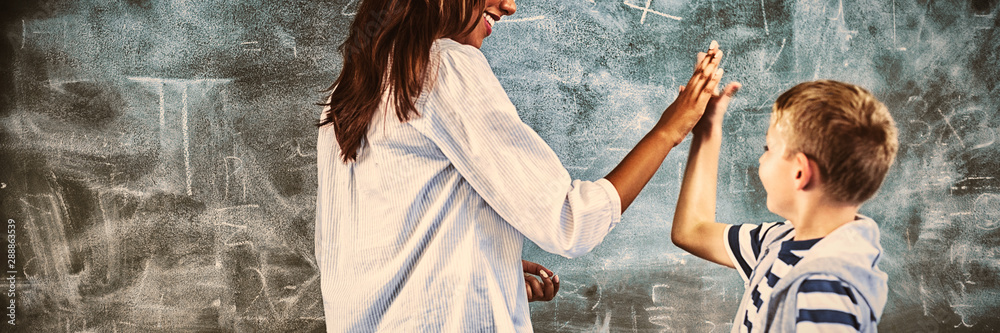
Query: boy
<point x="827" y="150"/>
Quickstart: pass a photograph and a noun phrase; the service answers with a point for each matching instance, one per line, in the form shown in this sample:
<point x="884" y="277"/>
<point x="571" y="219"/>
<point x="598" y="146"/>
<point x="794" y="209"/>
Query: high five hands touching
<point x="700" y="92"/>
<point x="682" y="115"/>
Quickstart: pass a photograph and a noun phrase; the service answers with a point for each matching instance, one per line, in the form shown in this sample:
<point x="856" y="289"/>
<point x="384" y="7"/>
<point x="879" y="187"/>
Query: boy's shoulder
<point x="851" y="252"/>
<point x="856" y="240"/>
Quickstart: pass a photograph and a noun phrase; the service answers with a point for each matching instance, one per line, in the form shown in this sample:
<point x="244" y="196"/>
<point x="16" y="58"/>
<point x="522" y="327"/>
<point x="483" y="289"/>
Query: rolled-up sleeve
<point x="469" y="117"/>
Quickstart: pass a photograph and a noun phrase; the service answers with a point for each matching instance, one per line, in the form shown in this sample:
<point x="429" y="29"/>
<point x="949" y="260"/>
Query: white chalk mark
<point x="777" y="56"/>
<point x="713" y="326"/>
<point x="254" y="43"/>
<point x="232" y="225"/>
<point x="163" y="112"/>
<point x="841" y="27"/>
<point x="840" y="11"/>
<point x="237" y="207"/>
<point x="526" y="19"/>
<point x="187" y="141"/>
<point x="926" y="136"/>
<point x="261" y="292"/>
<point x="236" y="169"/>
<point x="159" y="313"/>
<point x="984" y="209"/>
<point x="948" y="122"/>
<point x="646" y="10"/>
<point x="745" y="175"/>
<point x="298" y="149"/>
<point x="658" y="292"/>
<point x="923" y="296"/>
<point x="599" y="295"/>
<point x="993" y="138"/>
<point x="156" y="80"/>
<point x="894" y="43"/>
<point x="24" y="33"/>
<point x="344" y="11"/>
<point x="763" y="11"/>
<point x="635" y="324"/>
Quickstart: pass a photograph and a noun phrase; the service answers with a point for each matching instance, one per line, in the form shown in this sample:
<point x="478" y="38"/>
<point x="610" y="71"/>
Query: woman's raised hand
<point x="681" y="116"/>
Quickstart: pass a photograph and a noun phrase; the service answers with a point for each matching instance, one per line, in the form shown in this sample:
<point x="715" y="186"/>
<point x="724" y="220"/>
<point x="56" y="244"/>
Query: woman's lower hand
<point x="540" y="283"/>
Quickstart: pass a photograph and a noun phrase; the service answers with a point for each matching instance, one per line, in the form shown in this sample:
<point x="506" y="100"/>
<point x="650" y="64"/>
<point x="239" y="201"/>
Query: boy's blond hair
<point x="841" y="127"/>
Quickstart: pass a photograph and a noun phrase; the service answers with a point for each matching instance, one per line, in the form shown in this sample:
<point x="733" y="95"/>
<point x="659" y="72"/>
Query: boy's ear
<point x="804" y="176"/>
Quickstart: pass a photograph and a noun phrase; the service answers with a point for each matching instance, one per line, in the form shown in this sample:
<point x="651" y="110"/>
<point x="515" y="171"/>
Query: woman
<point x="429" y="182"/>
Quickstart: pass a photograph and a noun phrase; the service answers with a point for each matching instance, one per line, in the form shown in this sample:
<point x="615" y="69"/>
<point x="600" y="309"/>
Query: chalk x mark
<point x="646" y="10"/>
<point x="948" y="122"/>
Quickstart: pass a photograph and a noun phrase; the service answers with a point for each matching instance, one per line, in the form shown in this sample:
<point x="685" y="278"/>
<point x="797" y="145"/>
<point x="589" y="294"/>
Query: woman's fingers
<point x="533" y="287"/>
<point x="712" y="86"/>
<point x="548" y="289"/>
<point x="704" y="71"/>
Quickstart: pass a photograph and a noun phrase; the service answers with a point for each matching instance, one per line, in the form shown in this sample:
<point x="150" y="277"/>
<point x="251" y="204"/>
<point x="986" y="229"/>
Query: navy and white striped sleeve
<point x="468" y="115"/>
<point x="827" y="304"/>
<point x="744" y="242"/>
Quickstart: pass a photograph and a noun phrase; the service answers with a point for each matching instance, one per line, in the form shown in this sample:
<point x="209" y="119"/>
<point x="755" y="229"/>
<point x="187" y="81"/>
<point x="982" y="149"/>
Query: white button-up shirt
<point x="423" y="232"/>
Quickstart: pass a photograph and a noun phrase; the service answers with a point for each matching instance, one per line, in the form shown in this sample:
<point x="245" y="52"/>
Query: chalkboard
<point x="158" y="157"/>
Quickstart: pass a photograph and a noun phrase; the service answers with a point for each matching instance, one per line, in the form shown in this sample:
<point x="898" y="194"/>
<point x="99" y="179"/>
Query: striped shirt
<point x="824" y="302"/>
<point x="423" y="232"/>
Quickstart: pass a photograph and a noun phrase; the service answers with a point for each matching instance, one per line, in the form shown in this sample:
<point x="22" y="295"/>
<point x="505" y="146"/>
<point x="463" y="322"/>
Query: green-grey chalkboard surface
<point x="158" y="156"/>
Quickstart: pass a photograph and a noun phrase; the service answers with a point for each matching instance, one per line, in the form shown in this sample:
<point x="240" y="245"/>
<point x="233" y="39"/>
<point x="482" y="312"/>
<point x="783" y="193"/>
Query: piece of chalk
<point x="544" y="274"/>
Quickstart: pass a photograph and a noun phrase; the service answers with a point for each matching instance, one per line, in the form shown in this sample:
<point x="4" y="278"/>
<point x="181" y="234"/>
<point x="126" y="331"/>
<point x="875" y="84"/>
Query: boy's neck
<point x="818" y="218"/>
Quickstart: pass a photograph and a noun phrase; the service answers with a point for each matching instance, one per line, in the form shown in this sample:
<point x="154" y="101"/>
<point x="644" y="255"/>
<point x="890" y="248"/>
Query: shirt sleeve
<point x="469" y="117"/>
<point x="744" y="242"/>
<point x="827" y="304"/>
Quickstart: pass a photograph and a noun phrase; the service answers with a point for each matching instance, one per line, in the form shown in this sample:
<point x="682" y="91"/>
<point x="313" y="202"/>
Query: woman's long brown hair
<point x="396" y="33"/>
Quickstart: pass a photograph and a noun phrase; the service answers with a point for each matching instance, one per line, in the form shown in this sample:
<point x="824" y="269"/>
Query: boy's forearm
<point x="697" y="198"/>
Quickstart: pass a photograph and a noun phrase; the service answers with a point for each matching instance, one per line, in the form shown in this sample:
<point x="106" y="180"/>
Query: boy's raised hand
<point x="716" y="109"/>
<point x="682" y="115"/>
